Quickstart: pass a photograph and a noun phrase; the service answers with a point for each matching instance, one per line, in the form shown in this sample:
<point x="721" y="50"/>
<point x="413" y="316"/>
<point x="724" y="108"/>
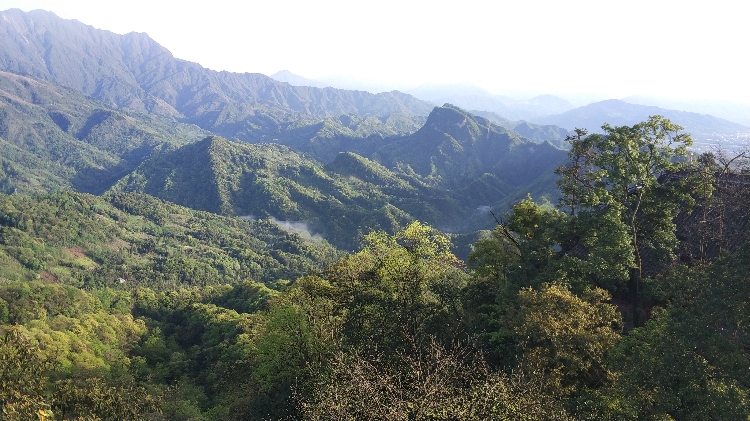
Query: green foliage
<point x="567" y="337"/>
<point x="47" y="372"/>
<point x="131" y="239"/>
<point x="23" y="384"/>
<point x="398" y="287"/>
<point x="95" y="399"/>
<point x="620" y="172"/>
<point x="690" y="360"/>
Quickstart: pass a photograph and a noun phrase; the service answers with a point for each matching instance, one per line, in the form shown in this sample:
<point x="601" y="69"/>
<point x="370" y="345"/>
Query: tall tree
<point x="630" y="177"/>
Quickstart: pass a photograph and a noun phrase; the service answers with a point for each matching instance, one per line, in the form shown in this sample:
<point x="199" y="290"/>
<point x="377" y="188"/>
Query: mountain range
<point x="475" y="98"/>
<point x="133" y="71"/>
<point x="558" y="115"/>
<point x="92" y="111"/>
<point x="728" y="110"/>
<point x="619" y="113"/>
<point x="442" y="174"/>
<point x="53" y="137"/>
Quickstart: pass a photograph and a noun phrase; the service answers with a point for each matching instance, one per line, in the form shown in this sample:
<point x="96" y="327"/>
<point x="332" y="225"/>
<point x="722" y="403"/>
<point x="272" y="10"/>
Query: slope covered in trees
<point x="54" y="137"/>
<point x="552" y="317"/>
<point x="271" y="181"/>
<point x="88" y="241"/>
<point x="441" y="175"/>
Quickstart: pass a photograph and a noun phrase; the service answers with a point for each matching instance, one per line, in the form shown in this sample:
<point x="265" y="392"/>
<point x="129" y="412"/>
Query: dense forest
<point x="627" y="300"/>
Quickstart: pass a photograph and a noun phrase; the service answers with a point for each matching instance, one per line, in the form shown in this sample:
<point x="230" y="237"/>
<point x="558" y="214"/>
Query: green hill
<point x="273" y="181"/>
<point x="447" y="174"/>
<point x="53" y="137"/>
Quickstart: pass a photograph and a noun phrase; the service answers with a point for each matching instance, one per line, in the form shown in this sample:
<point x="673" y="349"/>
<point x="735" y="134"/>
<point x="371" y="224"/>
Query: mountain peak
<point x="133" y="71"/>
<point x="457" y="123"/>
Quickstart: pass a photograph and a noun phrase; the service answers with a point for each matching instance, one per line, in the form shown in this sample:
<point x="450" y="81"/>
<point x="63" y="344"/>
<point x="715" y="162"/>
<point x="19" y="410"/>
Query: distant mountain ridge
<point x="296" y="80"/>
<point x="135" y="72"/>
<point x="618" y="113"/>
<point x="728" y="110"/>
<point x="475" y="98"/>
<point x="468" y="97"/>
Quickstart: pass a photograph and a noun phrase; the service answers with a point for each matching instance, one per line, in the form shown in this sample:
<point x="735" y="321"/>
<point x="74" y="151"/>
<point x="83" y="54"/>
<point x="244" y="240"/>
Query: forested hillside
<point x="55" y="137"/>
<point x="203" y="317"/>
<point x="446" y="174"/>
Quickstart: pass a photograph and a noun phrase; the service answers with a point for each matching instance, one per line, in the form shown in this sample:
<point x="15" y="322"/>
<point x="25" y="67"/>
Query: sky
<point x="602" y="49"/>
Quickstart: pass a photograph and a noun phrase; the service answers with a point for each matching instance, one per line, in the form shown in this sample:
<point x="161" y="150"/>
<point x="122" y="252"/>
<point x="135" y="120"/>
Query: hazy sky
<point x="679" y="49"/>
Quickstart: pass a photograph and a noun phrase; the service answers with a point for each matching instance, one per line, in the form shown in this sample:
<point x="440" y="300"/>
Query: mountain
<point x="474" y="98"/>
<point x="272" y="181"/>
<point x="728" y="110"/>
<point x="541" y="133"/>
<point x="357" y="84"/>
<point x="52" y="137"/>
<point x="542" y="105"/>
<point x="296" y="80"/>
<point x="442" y="174"/>
<point x="455" y="147"/>
<point x="534" y="132"/>
<point x="619" y="113"/>
<point x="321" y="137"/>
<point x="135" y="72"/>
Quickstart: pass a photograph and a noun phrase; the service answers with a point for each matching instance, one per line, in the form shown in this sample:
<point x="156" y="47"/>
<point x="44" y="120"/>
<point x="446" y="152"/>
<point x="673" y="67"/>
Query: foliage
<point x="131" y="239"/>
<point x="567" y="337"/>
<point x="22" y="388"/>
<point x="623" y="171"/>
<point x="399" y="287"/>
<point x="690" y="360"/>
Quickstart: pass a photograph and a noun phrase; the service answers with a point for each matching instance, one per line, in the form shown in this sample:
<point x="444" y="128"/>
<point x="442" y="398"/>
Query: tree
<point x="429" y="382"/>
<point x="399" y="286"/>
<point x="567" y="337"/>
<point x="625" y="177"/>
